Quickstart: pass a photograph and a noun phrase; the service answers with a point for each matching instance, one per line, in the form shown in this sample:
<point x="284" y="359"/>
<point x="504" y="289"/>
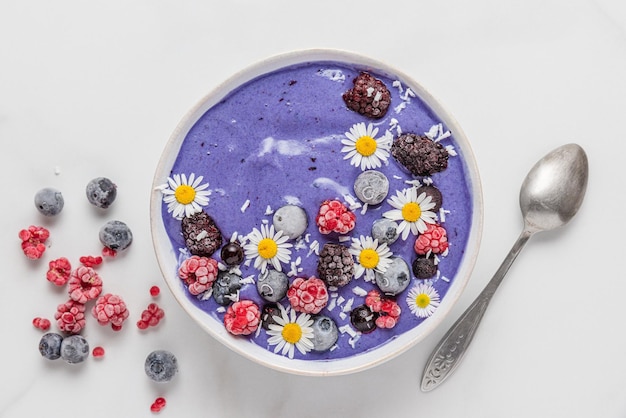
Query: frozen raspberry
<point x="419" y="154"/>
<point x="90" y="261"/>
<point x="334" y="216"/>
<point x="198" y="273"/>
<point x="242" y="318"/>
<point x="387" y="309"/>
<point x="202" y="236"/>
<point x="110" y="309"/>
<point x="84" y="284"/>
<point x="308" y="295"/>
<point x="336" y="265"/>
<point x="151" y="316"/>
<point x="434" y="240"/>
<point x="108" y="252"/>
<point x="33" y="241"/>
<point x="369" y="96"/>
<point x="59" y="271"/>
<point x="41" y="323"/>
<point x="70" y="317"/>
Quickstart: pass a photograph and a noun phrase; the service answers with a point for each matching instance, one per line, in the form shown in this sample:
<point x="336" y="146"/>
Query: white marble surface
<point x="95" y="88"/>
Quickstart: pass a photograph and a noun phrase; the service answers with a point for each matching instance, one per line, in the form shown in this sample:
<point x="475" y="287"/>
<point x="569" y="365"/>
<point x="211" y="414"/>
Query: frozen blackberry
<point x="419" y="154"/>
<point x="434" y="193"/>
<point x="336" y="265"/>
<point x="50" y="345"/>
<point x="363" y="319"/>
<point x="49" y="201"/>
<point x="369" y="96"/>
<point x="225" y="287"/>
<point x="267" y="315"/>
<point x="161" y="366"/>
<point x="101" y="192"/>
<point x="424" y="267"/>
<point x="116" y="235"/>
<point x="202" y="236"/>
<point x="74" y="349"/>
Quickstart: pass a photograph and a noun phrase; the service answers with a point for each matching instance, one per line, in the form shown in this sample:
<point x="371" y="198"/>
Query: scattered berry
<point x="387" y="310"/>
<point x="290" y="219"/>
<point x="198" y="273"/>
<point x="395" y="278"/>
<point x="232" y="254"/>
<point x="84" y="284"/>
<point x="116" y="235"/>
<point x="267" y="315"/>
<point x="50" y="345"/>
<point x="158" y="404"/>
<point x="41" y="323"/>
<point x="325" y="333"/>
<point x="308" y="295"/>
<point x="424" y="267"/>
<point x="161" y="366"/>
<point x="110" y="309"/>
<point x="74" y="349"/>
<point x="151" y="316"/>
<point x="202" y="236"/>
<point x="336" y="265"/>
<point x="59" y="271"/>
<point x="33" y="240"/>
<point x="334" y="216"/>
<point x="363" y="319"/>
<point x="369" y="96"/>
<point x="419" y="154"/>
<point x="434" y="240"/>
<point x="225" y="288"/>
<point x="90" y="261"/>
<point x="242" y="318"/>
<point x="272" y="285"/>
<point x="49" y="201"/>
<point x="97" y="352"/>
<point x="70" y="317"/>
<point x="155" y="291"/>
<point x="101" y="192"/>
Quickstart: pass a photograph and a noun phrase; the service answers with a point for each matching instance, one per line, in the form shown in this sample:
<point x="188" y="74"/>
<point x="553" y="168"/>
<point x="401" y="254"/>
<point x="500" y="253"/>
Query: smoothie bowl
<point x="318" y="212"/>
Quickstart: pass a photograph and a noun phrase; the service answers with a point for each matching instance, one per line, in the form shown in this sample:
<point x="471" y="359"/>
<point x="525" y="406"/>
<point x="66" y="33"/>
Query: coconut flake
<point x="245" y="205"/>
<point x="359" y="291"/>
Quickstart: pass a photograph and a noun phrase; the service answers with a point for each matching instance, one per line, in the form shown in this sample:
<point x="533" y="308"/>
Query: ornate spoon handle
<point x="447" y="355"/>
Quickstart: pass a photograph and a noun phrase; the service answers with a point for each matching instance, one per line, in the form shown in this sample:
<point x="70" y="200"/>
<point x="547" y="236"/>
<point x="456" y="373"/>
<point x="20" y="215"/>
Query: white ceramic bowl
<point x="168" y="257"/>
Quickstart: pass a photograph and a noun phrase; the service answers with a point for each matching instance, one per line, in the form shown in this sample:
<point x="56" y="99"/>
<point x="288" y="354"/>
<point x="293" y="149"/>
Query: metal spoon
<point x="549" y="197"/>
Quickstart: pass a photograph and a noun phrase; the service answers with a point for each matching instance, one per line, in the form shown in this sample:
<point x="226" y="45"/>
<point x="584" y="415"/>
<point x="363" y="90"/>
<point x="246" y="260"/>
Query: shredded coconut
<point x="245" y="205"/>
<point x="359" y="291"/>
<point x="203" y="234"/>
<point x="348" y="306"/>
<point x="268" y="210"/>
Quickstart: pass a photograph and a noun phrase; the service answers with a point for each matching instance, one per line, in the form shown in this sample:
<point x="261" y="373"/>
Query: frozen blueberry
<point x="49" y="201"/>
<point x="116" y="235"/>
<point x="225" y="287"/>
<point x="272" y="285"/>
<point x="371" y="187"/>
<point x="385" y="231"/>
<point x="232" y="254"/>
<point x="325" y="333"/>
<point x="74" y="349"/>
<point x="161" y="366"/>
<point x="101" y="192"/>
<point x="363" y="319"/>
<point x="50" y="345"/>
<point x="396" y="277"/>
<point x="290" y="219"/>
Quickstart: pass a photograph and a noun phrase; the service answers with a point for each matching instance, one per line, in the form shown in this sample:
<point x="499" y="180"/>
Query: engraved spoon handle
<point x="448" y="353"/>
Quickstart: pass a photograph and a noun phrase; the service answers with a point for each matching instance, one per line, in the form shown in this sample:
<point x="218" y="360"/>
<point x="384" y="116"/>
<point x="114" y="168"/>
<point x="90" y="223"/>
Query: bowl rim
<point x="248" y="349"/>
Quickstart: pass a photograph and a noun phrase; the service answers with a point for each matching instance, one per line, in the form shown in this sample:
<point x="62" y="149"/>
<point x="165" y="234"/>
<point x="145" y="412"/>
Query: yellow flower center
<point x="292" y="333"/>
<point x="368" y="258"/>
<point x="411" y="212"/>
<point x="185" y="194"/>
<point x="268" y="248"/>
<point x="365" y="145"/>
<point x="422" y="300"/>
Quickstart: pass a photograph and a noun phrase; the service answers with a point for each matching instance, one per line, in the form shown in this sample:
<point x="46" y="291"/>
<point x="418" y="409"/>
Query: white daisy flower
<point x="268" y="247"/>
<point x="412" y="210"/>
<point x="185" y="196"/>
<point x="423" y="299"/>
<point x="370" y="257"/>
<point x="363" y="148"/>
<point x="291" y="331"/>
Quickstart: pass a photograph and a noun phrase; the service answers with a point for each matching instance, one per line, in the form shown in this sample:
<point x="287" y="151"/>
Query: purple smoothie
<point x="277" y="140"/>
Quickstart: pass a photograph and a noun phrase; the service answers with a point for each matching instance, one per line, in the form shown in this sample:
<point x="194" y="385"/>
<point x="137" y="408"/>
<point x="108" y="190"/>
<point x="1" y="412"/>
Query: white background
<point x="95" y="88"/>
